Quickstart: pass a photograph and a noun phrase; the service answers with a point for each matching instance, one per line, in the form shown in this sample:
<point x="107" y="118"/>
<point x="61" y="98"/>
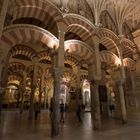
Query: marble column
<point x="57" y="71"/>
<point x="3" y="14"/>
<point x="22" y="92"/>
<point x="120" y="85"/>
<point x="95" y="103"/>
<point x="33" y="88"/>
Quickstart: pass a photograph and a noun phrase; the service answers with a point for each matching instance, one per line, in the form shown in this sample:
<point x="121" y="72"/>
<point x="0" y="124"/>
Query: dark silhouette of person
<point x="37" y="110"/>
<point x="62" y="111"/>
<point x="66" y="107"/>
<point x="79" y="113"/>
<point x="51" y="107"/>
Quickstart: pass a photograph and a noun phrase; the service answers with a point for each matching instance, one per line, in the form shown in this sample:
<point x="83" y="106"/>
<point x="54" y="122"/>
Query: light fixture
<point x="64" y="7"/>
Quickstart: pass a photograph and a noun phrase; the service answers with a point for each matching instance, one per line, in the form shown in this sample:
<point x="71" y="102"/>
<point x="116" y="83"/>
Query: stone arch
<point x="16" y="67"/>
<point x="71" y="60"/>
<point x="14" y="77"/>
<point x="44" y="56"/>
<point x="20" y="33"/>
<point x="127" y="47"/>
<point x="68" y="77"/>
<point x="80" y="25"/>
<point x="129" y="63"/>
<point x="81" y="49"/>
<point x="34" y="7"/>
<point x="109" y="58"/>
<point x="109" y="39"/>
<point x="21" y="49"/>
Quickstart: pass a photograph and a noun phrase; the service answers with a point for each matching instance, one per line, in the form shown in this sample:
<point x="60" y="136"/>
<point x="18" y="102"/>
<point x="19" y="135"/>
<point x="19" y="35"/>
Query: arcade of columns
<point x="110" y="67"/>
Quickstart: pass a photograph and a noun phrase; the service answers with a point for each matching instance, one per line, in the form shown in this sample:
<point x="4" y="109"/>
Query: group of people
<point x="63" y="109"/>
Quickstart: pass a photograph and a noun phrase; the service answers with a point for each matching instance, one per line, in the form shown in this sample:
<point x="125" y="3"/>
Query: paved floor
<point x="16" y="127"/>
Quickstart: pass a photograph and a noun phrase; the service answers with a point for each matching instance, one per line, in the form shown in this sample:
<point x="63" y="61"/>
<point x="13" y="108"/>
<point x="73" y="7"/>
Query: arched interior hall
<point x="79" y="52"/>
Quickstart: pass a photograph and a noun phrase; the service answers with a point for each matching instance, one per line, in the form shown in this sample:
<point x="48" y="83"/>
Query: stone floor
<point x="16" y="127"/>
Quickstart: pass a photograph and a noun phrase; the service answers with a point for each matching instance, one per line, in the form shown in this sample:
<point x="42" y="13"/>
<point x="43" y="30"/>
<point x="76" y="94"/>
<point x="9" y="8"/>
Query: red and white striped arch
<point x="109" y="58"/>
<point x="127" y="47"/>
<point x="13" y="77"/>
<point x="80" y="26"/>
<point x="44" y="55"/>
<point x="71" y="60"/>
<point x="108" y="38"/>
<point x="129" y="63"/>
<point x="81" y="49"/>
<point x="21" y="49"/>
<point x="39" y="71"/>
<point x="21" y="33"/>
<point x="68" y="76"/>
<point x="84" y="77"/>
<point x="36" y="8"/>
<point x="16" y="67"/>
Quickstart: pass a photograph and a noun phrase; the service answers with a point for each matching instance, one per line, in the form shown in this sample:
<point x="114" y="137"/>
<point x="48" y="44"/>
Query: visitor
<point x="37" y="110"/>
<point x="62" y="111"/>
<point x="79" y="113"/>
<point x="51" y="106"/>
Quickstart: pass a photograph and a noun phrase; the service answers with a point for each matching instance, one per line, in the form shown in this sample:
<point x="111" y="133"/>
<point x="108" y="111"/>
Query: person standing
<point x="37" y="110"/>
<point x="79" y="113"/>
<point x="62" y="111"/>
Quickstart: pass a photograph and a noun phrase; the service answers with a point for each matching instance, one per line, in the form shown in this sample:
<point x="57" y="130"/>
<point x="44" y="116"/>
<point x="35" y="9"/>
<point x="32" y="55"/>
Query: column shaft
<point x="122" y="101"/>
<point x="56" y="106"/>
<point x="22" y="93"/>
<point x="95" y="106"/>
<point x="3" y="15"/>
<point x="58" y="69"/>
<point x="33" y="88"/>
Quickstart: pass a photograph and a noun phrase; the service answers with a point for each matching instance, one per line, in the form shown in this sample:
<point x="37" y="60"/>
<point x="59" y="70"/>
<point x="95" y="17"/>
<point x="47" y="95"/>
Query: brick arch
<point x="71" y="60"/>
<point x="80" y="26"/>
<point x="23" y="33"/>
<point x="21" y="49"/>
<point x="34" y="7"/>
<point x="44" y="55"/>
<point x="69" y="76"/>
<point x="129" y="63"/>
<point x="16" y="67"/>
<point x="127" y="47"/>
<point x="14" y="77"/>
<point x="109" y="58"/>
<point x="108" y="39"/>
<point x="81" y="49"/>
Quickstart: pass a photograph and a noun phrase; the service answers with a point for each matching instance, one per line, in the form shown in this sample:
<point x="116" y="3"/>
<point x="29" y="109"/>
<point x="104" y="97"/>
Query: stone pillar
<point x="120" y="85"/>
<point x="57" y="71"/>
<point x="78" y="88"/>
<point x="41" y="87"/>
<point x="4" y="76"/>
<point x="45" y="97"/>
<point x="22" y="92"/>
<point x="95" y="103"/>
<point x="97" y="58"/>
<point x="3" y="15"/>
<point x="33" y="88"/>
<point x="55" y="103"/>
